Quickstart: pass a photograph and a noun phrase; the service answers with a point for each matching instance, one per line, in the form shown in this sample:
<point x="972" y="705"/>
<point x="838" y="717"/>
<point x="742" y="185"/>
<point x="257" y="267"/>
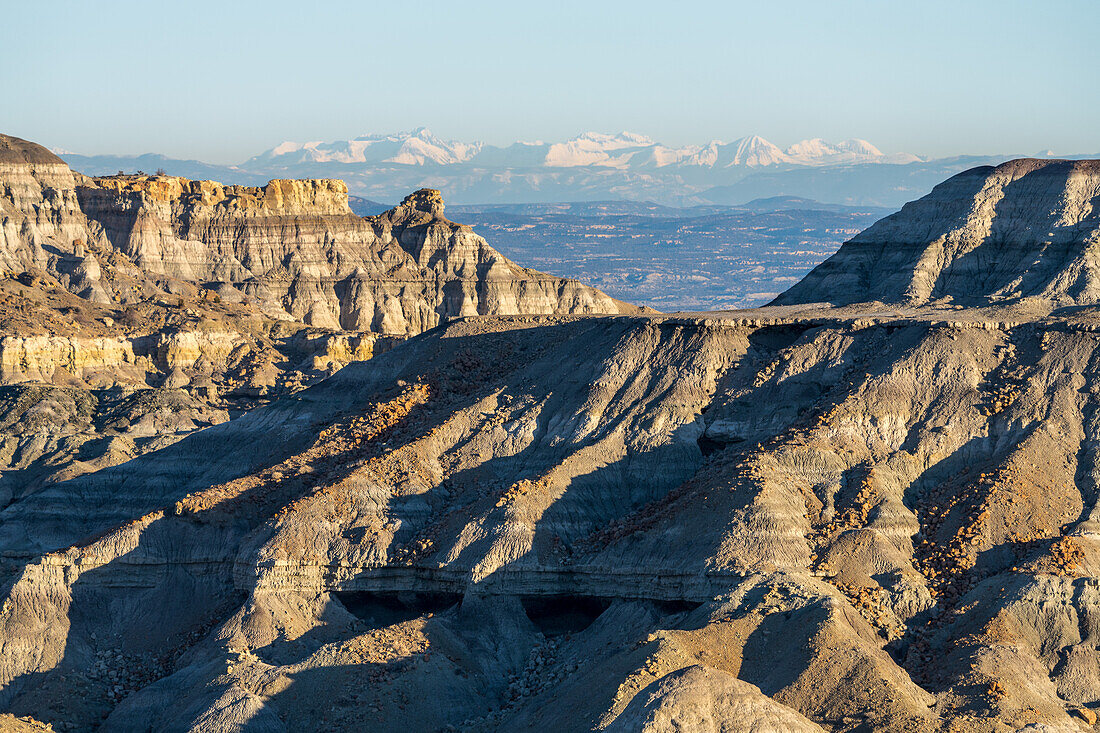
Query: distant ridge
<point x="1025" y="228"/>
<point x="592" y="166"/>
<point x="588" y="167"/>
<point x="420" y="147"/>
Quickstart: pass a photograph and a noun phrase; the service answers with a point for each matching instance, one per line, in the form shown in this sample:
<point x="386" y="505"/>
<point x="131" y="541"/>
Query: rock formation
<point x="296" y="246"/>
<point x="41" y="223"/>
<point x="222" y="297"/>
<point x="1025" y="229"/>
<point x="794" y="518"/>
<point x="293" y="248"/>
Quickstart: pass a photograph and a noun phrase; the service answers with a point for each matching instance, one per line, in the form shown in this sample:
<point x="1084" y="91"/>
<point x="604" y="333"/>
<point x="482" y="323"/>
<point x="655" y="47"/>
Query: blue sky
<point x="223" y="81"/>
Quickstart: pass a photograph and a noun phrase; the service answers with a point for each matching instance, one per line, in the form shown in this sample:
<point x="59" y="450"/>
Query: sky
<point x="223" y="81"/>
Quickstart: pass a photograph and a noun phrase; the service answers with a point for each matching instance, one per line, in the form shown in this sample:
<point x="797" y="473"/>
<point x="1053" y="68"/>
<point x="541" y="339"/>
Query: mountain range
<point x="591" y="166"/>
<point x="625" y="150"/>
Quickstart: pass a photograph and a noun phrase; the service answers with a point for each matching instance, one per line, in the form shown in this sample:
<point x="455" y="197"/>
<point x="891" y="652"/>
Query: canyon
<point x="869" y="505"/>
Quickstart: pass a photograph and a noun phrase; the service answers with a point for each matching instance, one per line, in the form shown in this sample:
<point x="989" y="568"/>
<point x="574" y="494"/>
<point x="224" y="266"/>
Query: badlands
<point x="272" y="467"/>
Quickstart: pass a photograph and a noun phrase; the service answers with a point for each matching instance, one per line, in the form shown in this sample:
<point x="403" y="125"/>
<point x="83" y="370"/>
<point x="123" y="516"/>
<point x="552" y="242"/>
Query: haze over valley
<point x="702" y="258"/>
<point x="592" y="166"/>
<point x="708" y="226"/>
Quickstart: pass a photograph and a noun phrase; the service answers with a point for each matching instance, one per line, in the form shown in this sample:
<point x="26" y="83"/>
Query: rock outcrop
<point x="706" y="700"/>
<point x="295" y="246"/>
<point x="222" y="297"/>
<point x="41" y="224"/>
<point x="1024" y="229"/>
<point x="795" y="518"/>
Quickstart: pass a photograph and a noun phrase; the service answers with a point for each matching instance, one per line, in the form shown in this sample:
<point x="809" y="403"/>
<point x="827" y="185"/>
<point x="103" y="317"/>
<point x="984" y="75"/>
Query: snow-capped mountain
<point x="592" y="166"/>
<point x="755" y="151"/>
<point x="419" y="147"/>
<point x="624" y="151"/>
<point x="818" y="152"/>
<point x="594" y="148"/>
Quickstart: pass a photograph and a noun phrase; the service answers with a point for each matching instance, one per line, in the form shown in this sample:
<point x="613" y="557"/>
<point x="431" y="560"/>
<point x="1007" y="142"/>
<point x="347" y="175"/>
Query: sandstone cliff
<point x="1027" y="228"/>
<point x="296" y="246"/>
<point x="221" y="297"/>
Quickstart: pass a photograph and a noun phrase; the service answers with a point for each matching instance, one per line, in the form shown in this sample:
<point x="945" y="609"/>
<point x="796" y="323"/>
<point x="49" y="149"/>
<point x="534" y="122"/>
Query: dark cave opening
<point x="557" y="615"/>
<point x="386" y="608"/>
<point x="708" y="446"/>
<point x="677" y="606"/>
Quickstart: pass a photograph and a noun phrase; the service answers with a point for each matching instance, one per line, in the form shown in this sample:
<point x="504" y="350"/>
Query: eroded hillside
<point x="826" y="521"/>
<point x="1023" y="229"/>
<point x="869" y="517"/>
<point x="134" y="309"/>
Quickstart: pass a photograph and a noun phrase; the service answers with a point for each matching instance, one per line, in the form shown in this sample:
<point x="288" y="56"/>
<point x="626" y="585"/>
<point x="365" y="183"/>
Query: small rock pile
<point x="123" y="673"/>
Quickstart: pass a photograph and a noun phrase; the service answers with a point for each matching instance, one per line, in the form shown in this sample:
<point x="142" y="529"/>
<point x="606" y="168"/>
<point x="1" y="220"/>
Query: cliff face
<point x="210" y="299"/>
<point x="1027" y="228"/>
<point x="296" y="246"/>
<point x="838" y="523"/>
<point x="41" y="224"/>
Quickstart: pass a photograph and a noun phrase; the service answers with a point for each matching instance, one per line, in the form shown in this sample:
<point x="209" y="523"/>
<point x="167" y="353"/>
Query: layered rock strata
<point x="1024" y="229"/>
<point x="42" y="226"/>
<point x="820" y="520"/>
<point x="796" y="518"/>
<point x="296" y="246"/>
<point x="213" y="299"/>
<point x="75" y="404"/>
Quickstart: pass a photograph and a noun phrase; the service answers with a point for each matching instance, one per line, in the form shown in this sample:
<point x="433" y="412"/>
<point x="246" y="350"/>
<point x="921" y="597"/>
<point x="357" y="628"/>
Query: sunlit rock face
<point x="41" y="224"/>
<point x="797" y="518"/>
<point x="134" y="309"/>
<point x="296" y="246"/>
<point x="1024" y="229"/>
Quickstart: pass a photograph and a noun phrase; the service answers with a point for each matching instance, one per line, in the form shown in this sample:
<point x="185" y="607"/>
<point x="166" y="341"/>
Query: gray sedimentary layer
<point x="793" y="518"/>
<point x="1024" y="229"/>
<point x="296" y="246"/>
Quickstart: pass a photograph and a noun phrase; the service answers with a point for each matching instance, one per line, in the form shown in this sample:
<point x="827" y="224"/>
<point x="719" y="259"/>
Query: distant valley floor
<point x="699" y="258"/>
